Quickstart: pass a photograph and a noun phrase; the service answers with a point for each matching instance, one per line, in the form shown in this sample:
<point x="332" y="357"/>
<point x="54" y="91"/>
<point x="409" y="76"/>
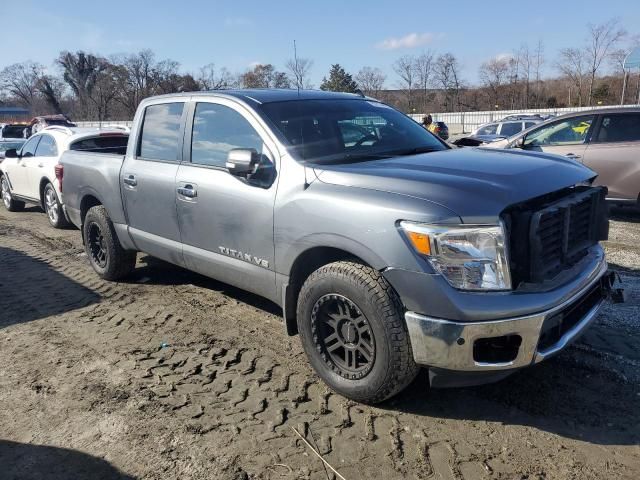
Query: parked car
<point x="491" y="132"/>
<point x="523" y="116"/>
<point x="440" y="129"/>
<point x="10" y="144"/>
<point x="605" y="140"/>
<point x="27" y="174"/>
<point x="386" y="253"/>
<point x="43" y="121"/>
<point x="11" y="131"/>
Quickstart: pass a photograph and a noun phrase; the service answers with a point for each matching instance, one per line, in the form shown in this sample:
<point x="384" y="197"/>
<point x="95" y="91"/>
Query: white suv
<point x="29" y="175"/>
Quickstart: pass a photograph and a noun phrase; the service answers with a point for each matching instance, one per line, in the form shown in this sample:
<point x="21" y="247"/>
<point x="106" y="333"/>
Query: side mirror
<point x="11" y="153"/>
<point x="242" y="162"/>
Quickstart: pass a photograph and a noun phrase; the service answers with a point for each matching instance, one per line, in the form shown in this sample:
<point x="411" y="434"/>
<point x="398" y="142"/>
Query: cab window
<point x="218" y="129"/>
<point x="571" y="131"/>
<point x="47" y="147"/>
<point x="29" y="148"/>
<point x="624" y="127"/>
<point x="160" y="135"/>
<point x="488" y="129"/>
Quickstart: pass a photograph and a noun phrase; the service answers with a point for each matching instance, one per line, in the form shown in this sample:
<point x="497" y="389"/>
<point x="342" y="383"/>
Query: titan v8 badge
<point x="247" y="257"/>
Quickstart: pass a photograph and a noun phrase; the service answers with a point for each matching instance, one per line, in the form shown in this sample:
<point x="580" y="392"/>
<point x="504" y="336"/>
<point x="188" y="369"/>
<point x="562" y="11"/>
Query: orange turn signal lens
<point x="421" y="242"/>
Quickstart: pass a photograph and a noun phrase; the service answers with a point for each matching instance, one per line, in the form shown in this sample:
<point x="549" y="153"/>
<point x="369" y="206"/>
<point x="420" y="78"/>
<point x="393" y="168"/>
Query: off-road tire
<point x="57" y="219"/>
<point x="10" y="204"/>
<point x="118" y="262"/>
<point x="393" y="367"/>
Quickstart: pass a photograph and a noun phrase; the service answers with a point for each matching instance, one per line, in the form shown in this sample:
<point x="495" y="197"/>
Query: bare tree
<point x="446" y="74"/>
<point x="572" y="63"/>
<point x="423" y="65"/>
<point x="264" y="76"/>
<point x="526" y="63"/>
<point x="81" y="72"/>
<point x="211" y="78"/>
<point x="299" y="69"/>
<point x="538" y="63"/>
<point x="405" y="69"/>
<point x="51" y="88"/>
<point x="494" y="74"/>
<point x="21" y="81"/>
<point x="371" y="80"/>
<point x="134" y="77"/>
<point x="602" y="39"/>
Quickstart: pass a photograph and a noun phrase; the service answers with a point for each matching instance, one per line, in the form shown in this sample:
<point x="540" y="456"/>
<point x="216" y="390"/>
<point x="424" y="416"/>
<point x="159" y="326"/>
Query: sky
<point x="238" y="34"/>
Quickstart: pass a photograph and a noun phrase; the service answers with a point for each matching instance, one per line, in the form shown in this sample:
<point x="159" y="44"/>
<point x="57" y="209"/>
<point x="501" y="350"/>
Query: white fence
<point x="106" y="123"/>
<point x="465" y="122"/>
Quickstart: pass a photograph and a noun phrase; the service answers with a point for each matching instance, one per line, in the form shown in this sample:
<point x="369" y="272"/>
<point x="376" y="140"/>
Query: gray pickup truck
<point x="386" y="249"/>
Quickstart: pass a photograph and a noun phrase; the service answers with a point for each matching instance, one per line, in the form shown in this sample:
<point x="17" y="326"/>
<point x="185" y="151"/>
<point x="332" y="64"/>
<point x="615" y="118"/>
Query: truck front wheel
<point x="107" y="257"/>
<point x="352" y="329"/>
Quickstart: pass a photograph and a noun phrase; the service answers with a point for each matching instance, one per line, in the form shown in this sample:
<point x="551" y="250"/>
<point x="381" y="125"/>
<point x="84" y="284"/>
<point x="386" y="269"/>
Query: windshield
<point x="344" y="130"/>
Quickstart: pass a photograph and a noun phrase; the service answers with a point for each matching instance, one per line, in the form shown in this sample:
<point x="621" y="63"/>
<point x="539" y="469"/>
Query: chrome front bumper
<point x="450" y="345"/>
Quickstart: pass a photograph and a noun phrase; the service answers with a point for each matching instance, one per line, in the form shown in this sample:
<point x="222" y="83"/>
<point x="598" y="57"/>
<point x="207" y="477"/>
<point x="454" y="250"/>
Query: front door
<point x="16" y="168"/>
<point x="567" y="137"/>
<point x="148" y="182"/>
<point x="226" y="222"/>
<point x="38" y="166"/>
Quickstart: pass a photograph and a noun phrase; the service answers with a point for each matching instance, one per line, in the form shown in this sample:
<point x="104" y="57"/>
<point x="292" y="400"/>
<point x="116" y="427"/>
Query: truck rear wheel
<point x="107" y="257"/>
<point x="8" y="201"/>
<point x="352" y="329"/>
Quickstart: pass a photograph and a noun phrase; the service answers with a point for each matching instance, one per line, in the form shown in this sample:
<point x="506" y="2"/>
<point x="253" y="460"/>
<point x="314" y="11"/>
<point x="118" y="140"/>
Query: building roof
<point x="13" y="110"/>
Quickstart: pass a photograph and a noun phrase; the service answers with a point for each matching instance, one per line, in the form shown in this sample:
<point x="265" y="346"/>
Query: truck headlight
<point x="468" y="257"/>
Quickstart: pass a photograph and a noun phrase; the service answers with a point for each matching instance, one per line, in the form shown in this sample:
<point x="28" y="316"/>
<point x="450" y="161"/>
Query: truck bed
<point x="89" y="175"/>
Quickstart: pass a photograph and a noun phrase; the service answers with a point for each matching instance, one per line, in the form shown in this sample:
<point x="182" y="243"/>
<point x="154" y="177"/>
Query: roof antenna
<point x="295" y="60"/>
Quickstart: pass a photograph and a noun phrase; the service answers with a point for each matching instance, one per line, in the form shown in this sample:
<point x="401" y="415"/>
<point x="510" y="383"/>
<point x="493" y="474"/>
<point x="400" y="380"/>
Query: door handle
<point x="130" y="180"/>
<point x="573" y="156"/>
<point x="40" y="165"/>
<point x="187" y="191"/>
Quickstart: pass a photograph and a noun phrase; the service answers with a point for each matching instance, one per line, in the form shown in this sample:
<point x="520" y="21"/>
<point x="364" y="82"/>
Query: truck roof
<point x="268" y="95"/>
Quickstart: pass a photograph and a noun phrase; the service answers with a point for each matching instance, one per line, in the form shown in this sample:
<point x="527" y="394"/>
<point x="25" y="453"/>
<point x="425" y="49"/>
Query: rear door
<point x="16" y="168"/>
<point x="614" y="154"/>
<point x="226" y="222"/>
<point x="148" y="181"/>
<point x="567" y="137"/>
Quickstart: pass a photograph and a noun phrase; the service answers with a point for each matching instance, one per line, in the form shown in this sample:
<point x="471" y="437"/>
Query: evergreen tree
<point x="339" y="81"/>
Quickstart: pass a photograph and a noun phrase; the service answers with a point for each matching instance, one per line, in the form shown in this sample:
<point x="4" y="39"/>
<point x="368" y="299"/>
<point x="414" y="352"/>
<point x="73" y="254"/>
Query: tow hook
<point x="615" y="293"/>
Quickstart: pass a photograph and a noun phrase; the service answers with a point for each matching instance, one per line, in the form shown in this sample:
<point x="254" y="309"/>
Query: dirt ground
<point x="172" y="375"/>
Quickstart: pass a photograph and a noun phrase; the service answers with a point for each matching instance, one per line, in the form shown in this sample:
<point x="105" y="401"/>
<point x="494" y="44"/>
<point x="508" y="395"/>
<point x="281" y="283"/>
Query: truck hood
<point x="475" y="184"/>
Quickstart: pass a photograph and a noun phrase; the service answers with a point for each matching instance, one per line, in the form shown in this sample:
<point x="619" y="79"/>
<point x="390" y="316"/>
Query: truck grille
<point x="559" y="233"/>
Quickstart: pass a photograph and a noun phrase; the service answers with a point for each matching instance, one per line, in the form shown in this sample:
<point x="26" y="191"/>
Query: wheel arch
<point x="307" y="262"/>
<point x="43" y="184"/>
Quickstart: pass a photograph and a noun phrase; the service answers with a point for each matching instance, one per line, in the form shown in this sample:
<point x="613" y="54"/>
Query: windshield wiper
<point x="417" y="150"/>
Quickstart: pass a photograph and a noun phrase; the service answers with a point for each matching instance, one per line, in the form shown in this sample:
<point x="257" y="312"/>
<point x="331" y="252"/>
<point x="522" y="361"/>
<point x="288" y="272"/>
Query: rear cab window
<point x="160" y="137"/>
<point x="106" y="143"/>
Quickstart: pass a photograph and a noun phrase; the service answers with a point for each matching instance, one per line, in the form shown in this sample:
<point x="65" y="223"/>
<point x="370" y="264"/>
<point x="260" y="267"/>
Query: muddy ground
<point x="172" y="375"/>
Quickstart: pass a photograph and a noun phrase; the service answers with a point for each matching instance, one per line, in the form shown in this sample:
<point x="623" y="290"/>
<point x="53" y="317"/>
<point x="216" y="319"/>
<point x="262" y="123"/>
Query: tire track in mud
<point x="184" y="357"/>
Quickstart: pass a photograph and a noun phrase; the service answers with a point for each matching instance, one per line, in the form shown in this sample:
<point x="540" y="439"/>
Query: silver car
<point x="605" y="140"/>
